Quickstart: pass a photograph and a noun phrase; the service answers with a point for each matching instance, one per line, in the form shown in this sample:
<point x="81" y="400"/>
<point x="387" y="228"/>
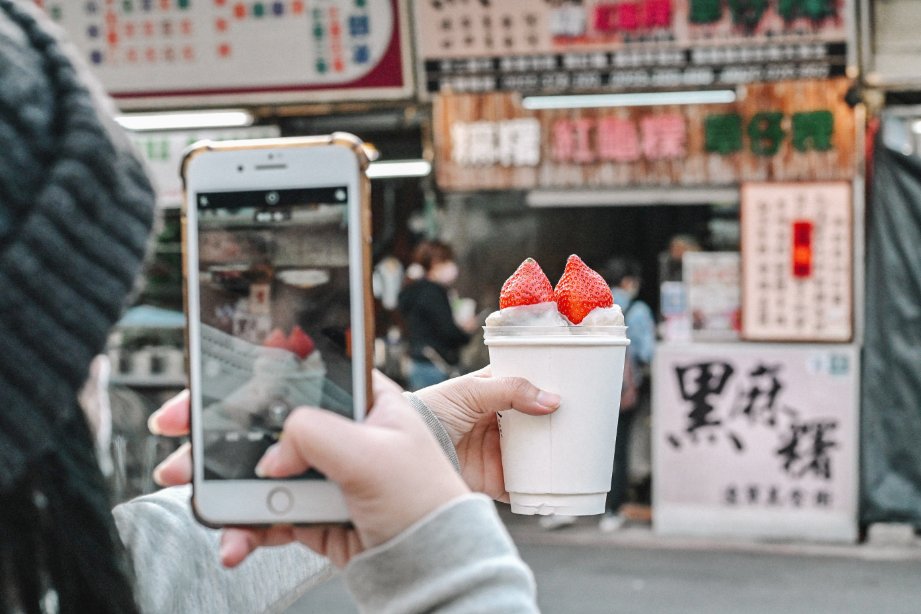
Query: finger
<point x="176" y="469"/>
<point x="172" y="419"/>
<point x="500" y="393"/>
<point x="314" y="438"/>
<point x="238" y="543"/>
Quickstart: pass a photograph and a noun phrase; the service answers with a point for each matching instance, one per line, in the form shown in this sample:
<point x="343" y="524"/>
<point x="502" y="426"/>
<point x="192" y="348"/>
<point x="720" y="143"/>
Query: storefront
<point x="606" y="128"/>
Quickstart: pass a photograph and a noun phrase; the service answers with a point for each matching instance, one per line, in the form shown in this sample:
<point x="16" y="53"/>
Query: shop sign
<point x="797" y="261"/>
<point x="785" y="131"/>
<point x="713" y="294"/>
<point x="756" y="440"/>
<point x="506" y="45"/>
<point x="180" y="53"/>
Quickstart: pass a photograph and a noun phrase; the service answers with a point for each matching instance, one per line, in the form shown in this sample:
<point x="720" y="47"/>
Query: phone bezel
<point x="309" y="163"/>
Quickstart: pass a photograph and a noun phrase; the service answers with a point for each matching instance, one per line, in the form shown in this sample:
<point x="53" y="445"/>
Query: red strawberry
<point x="528" y="285"/>
<point x="300" y="342"/>
<point x="276" y="339"/>
<point x="580" y="290"/>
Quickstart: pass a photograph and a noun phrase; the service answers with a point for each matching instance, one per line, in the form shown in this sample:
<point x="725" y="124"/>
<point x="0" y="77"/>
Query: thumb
<point x="315" y="438"/>
<point x="500" y="393"/>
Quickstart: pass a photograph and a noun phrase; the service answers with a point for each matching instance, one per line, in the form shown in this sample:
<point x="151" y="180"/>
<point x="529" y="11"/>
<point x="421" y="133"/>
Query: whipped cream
<point x="604" y="316"/>
<point x="547" y="314"/>
<point x="540" y="314"/>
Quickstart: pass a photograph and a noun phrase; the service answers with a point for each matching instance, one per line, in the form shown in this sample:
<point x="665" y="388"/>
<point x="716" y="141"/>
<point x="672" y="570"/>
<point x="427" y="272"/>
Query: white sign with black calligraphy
<point x="756" y="440"/>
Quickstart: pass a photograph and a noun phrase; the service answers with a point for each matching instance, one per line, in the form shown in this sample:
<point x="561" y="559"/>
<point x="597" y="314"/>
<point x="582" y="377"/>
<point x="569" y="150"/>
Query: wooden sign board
<point x="788" y="131"/>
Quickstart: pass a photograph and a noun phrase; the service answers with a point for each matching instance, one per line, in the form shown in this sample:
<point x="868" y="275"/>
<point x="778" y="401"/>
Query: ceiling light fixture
<point x="399" y="168"/>
<point x="639" y="99"/>
<point x="185" y="120"/>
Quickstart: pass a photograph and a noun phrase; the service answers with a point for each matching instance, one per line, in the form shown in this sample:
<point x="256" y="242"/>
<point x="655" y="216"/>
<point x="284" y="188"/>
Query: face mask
<point x="445" y="273"/>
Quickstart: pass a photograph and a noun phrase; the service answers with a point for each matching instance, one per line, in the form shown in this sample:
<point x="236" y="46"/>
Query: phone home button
<point x="280" y="500"/>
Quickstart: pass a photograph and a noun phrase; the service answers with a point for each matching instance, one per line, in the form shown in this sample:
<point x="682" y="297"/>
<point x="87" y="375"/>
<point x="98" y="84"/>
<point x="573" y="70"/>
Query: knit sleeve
<point x="435" y="426"/>
<point x="177" y="568"/>
<point x="457" y="559"/>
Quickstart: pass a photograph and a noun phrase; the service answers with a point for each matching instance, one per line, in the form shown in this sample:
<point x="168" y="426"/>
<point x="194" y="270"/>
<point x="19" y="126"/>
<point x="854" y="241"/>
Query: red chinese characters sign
<point x="784" y="131"/>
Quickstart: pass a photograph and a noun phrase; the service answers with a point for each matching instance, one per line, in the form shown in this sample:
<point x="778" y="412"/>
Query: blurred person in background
<point x="435" y="339"/>
<point x="671" y="260"/>
<point x="625" y="277"/>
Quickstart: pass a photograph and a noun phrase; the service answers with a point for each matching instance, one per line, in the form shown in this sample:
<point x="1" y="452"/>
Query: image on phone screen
<point x="275" y="326"/>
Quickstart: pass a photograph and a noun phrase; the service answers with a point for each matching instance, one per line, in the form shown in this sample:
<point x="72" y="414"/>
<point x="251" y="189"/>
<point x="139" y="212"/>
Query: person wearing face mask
<point x="625" y="277"/>
<point x="435" y="339"/>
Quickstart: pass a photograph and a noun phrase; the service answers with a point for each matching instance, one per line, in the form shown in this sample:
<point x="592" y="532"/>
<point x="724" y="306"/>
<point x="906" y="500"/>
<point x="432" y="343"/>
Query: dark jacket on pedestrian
<point x="429" y="322"/>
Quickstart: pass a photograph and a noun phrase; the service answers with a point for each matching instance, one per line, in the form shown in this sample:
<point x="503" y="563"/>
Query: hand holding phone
<point x="391" y="470"/>
<point x="276" y="246"/>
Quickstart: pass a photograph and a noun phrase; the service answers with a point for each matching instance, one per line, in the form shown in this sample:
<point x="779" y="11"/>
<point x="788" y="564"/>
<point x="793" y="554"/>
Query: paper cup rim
<point x="555" y="335"/>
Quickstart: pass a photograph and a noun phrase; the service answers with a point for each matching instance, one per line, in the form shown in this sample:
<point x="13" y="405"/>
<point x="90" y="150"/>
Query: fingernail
<point x="157" y="477"/>
<point x="267" y="462"/>
<point x="224" y="551"/>
<point x="548" y="399"/>
<point x="152" y="423"/>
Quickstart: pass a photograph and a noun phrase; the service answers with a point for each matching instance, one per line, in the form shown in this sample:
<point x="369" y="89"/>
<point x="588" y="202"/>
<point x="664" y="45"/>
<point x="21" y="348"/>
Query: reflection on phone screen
<point x="275" y="327"/>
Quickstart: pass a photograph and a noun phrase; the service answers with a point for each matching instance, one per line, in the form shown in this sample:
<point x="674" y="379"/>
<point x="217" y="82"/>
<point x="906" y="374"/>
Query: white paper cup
<point x="560" y="463"/>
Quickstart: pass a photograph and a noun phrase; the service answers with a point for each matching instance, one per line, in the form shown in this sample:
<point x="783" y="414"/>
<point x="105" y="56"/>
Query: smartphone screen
<point x="275" y="326"/>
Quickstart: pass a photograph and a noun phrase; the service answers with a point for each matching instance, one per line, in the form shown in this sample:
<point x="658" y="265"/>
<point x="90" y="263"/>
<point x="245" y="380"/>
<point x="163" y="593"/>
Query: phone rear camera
<point x="271" y="198"/>
<point x="240" y="169"/>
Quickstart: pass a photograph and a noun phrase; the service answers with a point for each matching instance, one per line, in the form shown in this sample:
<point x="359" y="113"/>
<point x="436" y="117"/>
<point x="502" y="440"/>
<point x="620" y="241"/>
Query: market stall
<point x="644" y="105"/>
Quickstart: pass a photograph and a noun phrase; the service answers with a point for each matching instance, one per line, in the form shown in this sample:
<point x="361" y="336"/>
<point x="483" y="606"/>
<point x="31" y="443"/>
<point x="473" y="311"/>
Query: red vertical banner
<point x="802" y="248"/>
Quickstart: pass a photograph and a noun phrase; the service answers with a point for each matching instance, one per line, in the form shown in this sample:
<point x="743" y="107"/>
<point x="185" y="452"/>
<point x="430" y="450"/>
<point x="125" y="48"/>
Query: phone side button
<point x="280" y="500"/>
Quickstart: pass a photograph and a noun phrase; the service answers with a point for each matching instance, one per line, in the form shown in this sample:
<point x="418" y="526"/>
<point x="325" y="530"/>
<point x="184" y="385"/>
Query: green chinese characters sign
<point x="811" y="131"/>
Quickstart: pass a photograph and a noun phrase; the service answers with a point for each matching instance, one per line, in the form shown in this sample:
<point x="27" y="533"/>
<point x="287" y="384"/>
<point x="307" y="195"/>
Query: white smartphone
<point x="276" y="253"/>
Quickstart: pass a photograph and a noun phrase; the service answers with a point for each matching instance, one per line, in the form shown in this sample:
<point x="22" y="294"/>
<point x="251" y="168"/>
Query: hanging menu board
<point x="797" y="261"/>
<point x="793" y="130"/>
<point x="569" y="45"/>
<point x="168" y="53"/>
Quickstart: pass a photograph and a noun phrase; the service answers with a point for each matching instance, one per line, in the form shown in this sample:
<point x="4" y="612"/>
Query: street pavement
<point x="580" y="570"/>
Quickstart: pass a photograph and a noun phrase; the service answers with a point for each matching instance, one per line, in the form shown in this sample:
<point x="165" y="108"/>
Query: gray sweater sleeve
<point x="177" y="568"/>
<point x="435" y="425"/>
<point x="457" y="559"/>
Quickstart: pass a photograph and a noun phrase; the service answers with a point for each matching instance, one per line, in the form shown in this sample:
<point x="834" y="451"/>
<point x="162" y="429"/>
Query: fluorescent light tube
<point x="186" y="120"/>
<point x="399" y="168"/>
<point x="639" y="99"/>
